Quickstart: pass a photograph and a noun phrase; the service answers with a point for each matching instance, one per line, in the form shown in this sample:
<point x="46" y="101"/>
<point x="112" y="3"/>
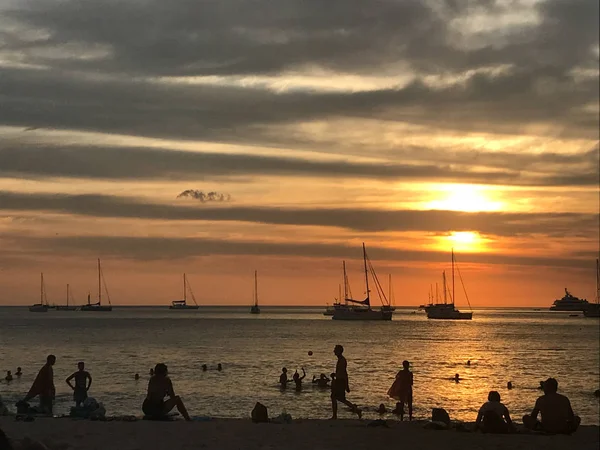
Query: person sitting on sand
<point x="283" y="379"/>
<point x="19" y="372"/>
<point x="340" y="384"/>
<point x="160" y="386"/>
<point x="556" y="411"/>
<point x="298" y="379"/>
<point x="43" y="386"/>
<point x="8" y="376"/>
<point x="401" y="389"/>
<point x="83" y="381"/>
<point x="322" y="381"/>
<point x="493" y="416"/>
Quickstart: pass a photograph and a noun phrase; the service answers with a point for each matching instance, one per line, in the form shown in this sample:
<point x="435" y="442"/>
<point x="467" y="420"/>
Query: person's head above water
<point x="338" y="350"/>
<point x="219" y="366"/>
<point x="8" y="372"/>
<point x="405" y="364"/>
<point x="81" y="365"/>
<point x="494" y="396"/>
<point x="296" y="375"/>
<point x="550" y="386"/>
<point x="137" y="376"/>
<point x="161" y="370"/>
<point x="151" y="372"/>
<point x="204" y="367"/>
<point x="332" y="376"/>
<point x="284" y="370"/>
<point x="50" y="359"/>
<point x="381" y="408"/>
<point x="322" y="376"/>
<point x="18" y="369"/>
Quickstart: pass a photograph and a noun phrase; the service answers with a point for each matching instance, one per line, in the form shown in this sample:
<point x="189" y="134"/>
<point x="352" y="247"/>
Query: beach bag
<point x="440" y="415"/>
<point x="259" y="413"/>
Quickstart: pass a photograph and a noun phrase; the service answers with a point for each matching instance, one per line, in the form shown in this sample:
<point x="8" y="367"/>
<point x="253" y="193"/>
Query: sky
<point x="219" y="137"/>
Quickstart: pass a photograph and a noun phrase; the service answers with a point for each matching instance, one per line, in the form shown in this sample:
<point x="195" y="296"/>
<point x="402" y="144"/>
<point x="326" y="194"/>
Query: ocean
<point x="517" y="345"/>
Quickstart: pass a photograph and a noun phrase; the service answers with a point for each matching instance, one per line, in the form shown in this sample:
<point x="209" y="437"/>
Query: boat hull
<point x="569" y="308"/>
<point x="95" y="308"/>
<point x="184" y="307"/>
<point x="38" y="308"/>
<point x="592" y="311"/>
<point x="457" y="315"/>
<point x="65" y="308"/>
<point x="255" y="310"/>
<point x="361" y="314"/>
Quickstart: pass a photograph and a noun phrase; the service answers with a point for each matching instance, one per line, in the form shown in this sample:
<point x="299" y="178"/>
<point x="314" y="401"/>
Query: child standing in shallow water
<point x="401" y="389"/>
<point x="82" y="386"/>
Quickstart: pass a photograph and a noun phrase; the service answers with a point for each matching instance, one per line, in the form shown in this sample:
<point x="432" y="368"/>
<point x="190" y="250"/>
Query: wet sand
<point x="225" y="434"/>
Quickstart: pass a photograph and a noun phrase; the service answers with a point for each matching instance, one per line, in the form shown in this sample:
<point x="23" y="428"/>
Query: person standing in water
<point x="43" y="386"/>
<point x="298" y="379"/>
<point x="160" y="386"/>
<point x="340" y="384"/>
<point x="283" y="379"/>
<point x="83" y="381"/>
<point x="401" y="389"/>
<point x="19" y="372"/>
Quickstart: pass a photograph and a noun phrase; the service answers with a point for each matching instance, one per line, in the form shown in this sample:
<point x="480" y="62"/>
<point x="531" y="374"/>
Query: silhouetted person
<point x="204" y="367"/>
<point x="399" y="409"/>
<point x="541" y="386"/>
<point x="83" y="381"/>
<point x="283" y="379"/>
<point x="298" y="379"/>
<point x="19" y="372"/>
<point x="456" y="378"/>
<point x="381" y="409"/>
<point x="160" y="386"/>
<point x="401" y="389"/>
<point x="493" y="416"/>
<point x="322" y="381"/>
<point x="219" y="367"/>
<point x="556" y="411"/>
<point x="136" y="377"/>
<point x="8" y="376"/>
<point x="509" y="385"/>
<point x="151" y="372"/>
<point x="43" y="386"/>
<point x="340" y="384"/>
<point x="469" y="362"/>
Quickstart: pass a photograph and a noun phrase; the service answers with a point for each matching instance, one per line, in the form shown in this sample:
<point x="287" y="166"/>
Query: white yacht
<point x="183" y="304"/>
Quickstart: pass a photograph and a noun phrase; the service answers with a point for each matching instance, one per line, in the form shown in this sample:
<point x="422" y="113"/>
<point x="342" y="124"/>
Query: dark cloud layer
<point x="362" y="220"/>
<point x="155" y="248"/>
<point x="155" y="163"/>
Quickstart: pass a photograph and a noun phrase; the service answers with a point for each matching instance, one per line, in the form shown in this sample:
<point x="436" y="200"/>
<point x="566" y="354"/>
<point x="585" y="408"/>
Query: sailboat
<point x="446" y="310"/>
<point x="361" y="309"/>
<point x="66" y="307"/>
<point x="255" y="309"/>
<point x="98" y="306"/>
<point x="182" y="304"/>
<point x="42" y="306"/>
<point x="593" y="309"/>
<point x="391" y="306"/>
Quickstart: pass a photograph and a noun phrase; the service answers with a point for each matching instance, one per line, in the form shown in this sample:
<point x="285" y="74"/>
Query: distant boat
<point x="98" y="306"/>
<point x="182" y="304"/>
<point x="254" y="309"/>
<point x="361" y="309"/>
<point x="446" y="311"/>
<point x="66" y="307"/>
<point x="593" y="309"/>
<point x="569" y="303"/>
<point x="42" y="306"/>
<point x="330" y="309"/>
<point x="391" y="306"/>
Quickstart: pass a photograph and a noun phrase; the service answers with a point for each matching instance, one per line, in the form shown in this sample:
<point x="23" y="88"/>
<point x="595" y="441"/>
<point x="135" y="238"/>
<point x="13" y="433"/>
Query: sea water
<point x="521" y="346"/>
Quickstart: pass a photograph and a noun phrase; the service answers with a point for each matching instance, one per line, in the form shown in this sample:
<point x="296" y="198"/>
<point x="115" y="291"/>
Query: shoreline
<point x="301" y="434"/>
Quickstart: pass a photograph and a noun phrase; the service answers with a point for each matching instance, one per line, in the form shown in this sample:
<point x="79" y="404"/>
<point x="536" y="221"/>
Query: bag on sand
<point x="259" y="413"/>
<point x="440" y="415"/>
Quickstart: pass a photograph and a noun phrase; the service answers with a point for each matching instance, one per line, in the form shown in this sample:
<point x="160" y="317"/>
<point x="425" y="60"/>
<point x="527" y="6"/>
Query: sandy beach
<point x="229" y="434"/>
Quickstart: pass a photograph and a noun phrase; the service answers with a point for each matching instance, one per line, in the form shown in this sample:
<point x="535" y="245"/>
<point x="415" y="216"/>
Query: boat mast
<point x="255" y="288"/>
<point x="597" y="282"/>
<point x="99" y="285"/>
<point x="366" y="274"/>
<point x="453" y="277"/>
<point x="345" y="283"/>
<point x="42" y="288"/>
<point x="184" y="289"/>
<point x="444" y="286"/>
<point x="67" y="294"/>
<point x="390" y="288"/>
<point x="437" y="295"/>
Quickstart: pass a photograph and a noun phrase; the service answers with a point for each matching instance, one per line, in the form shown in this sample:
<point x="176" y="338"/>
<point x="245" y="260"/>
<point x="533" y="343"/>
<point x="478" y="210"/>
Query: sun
<point x="464" y="197"/>
<point x="463" y="241"/>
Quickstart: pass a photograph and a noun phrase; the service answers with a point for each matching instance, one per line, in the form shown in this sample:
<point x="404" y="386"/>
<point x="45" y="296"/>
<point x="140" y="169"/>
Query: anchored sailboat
<point x="255" y="309"/>
<point x="391" y="306"/>
<point x="182" y="304"/>
<point x="66" y="307"/>
<point x="42" y="306"/>
<point x="98" y="306"/>
<point x="593" y="309"/>
<point x="447" y="310"/>
<point x="361" y="309"/>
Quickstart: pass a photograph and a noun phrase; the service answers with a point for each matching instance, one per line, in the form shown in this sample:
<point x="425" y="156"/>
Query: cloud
<point x="211" y="196"/>
<point x="156" y="248"/>
<point x="357" y="219"/>
<point x="31" y="161"/>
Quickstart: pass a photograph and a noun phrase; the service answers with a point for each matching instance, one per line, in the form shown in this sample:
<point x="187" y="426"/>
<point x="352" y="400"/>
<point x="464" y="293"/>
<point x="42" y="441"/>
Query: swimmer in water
<point x="151" y="372"/>
<point x="8" y="376"/>
<point x="19" y="373"/>
<point x="456" y="378"/>
<point x="381" y="409"/>
<point x="298" y="379"/>
<point x="283" y="379"/>
<point x="322" y="381"/>
<point x="136" y="376"/>
<point x="509" y="385"/>
<point x="469" y="362"/>
<point x="204" y="367"/>
<point x="219" y="367"/>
